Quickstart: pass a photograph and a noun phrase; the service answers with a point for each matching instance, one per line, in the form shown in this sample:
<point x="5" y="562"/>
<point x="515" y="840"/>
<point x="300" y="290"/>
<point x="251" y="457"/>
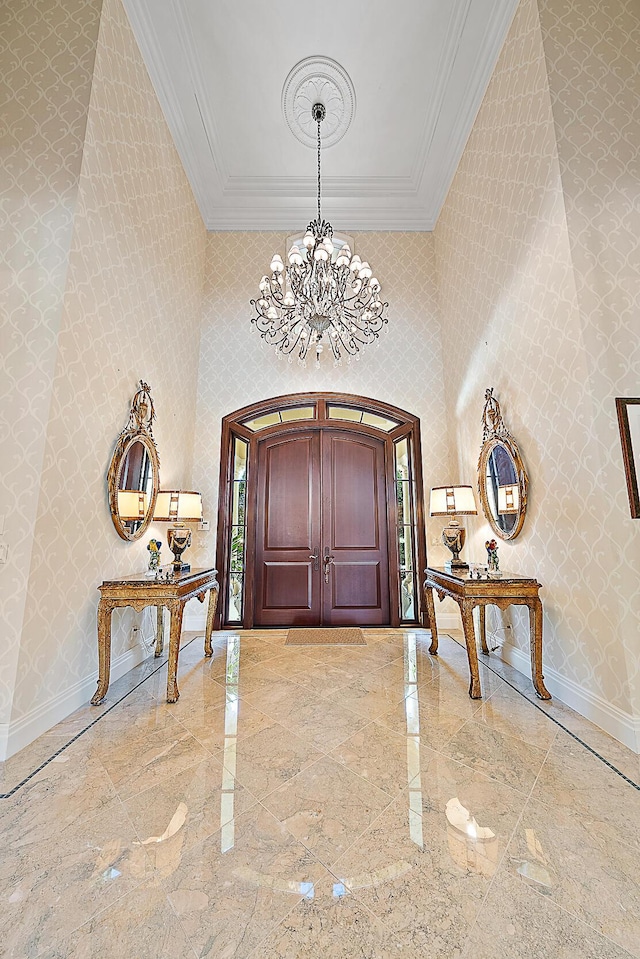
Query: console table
<point x="141" y="591"/>
<point x="509" y="590"/>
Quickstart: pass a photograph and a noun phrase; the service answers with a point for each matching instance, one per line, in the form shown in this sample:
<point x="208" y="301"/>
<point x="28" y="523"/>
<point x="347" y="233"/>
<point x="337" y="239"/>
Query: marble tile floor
<point x="343" y="803"/>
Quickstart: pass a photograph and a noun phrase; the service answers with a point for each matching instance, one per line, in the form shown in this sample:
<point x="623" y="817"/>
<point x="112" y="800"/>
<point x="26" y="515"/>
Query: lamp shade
<point x="178" y="506"/>
<point x="446" y="500"/>
<point x="509" y="498"/>
<point x="132" y="505"/>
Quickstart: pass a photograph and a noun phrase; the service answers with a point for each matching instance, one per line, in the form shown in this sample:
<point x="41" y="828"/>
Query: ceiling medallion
<point x="324" y="295"/>
<point x="318" y="80"/>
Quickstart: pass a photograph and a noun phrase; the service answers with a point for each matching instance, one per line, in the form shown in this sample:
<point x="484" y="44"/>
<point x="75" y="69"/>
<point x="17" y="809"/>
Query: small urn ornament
<point x="493" y="564"/>
<point x="154" y="556"/>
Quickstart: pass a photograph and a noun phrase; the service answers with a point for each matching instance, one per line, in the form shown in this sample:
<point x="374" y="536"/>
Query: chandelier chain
<point x="319" y="148"/>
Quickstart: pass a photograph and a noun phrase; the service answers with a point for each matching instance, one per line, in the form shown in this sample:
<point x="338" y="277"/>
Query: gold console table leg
<point x="176" y="610"/>
<point x="483" y="629"/>
<point x="105" y="609"/>
<point x="159" y="631"/>
<point x="211" y="612"/>
<point x="535" y="643"/>
<point x="466" y="609"/>
<point x="431" y="613"/>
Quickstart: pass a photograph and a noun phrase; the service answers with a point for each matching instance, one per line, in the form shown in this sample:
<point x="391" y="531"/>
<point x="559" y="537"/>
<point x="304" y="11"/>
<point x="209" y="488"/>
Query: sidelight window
<point x="237" y="545"/>
<point x="406" y="498"/>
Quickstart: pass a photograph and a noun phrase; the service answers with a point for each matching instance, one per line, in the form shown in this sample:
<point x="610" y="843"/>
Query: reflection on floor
<point x="325" y="802"/>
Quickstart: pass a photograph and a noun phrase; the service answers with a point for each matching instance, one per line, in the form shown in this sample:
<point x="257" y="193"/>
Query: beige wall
<point x="47" y="52"/>
<point x="131" y="309"/>
<point x="403" y="368"/>
<point x="591" y="52"/>
<point x="519" y="313"/>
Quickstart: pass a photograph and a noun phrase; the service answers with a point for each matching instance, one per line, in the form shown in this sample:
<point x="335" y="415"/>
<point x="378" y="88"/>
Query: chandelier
<point x="324" y="294"/>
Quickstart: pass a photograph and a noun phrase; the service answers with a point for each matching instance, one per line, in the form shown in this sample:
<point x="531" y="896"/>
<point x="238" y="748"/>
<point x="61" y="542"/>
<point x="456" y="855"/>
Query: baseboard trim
<point x="446" y="621"/>
<point x="621" y="725"/>
<point x="16" y="735"/>
<point x="196" y="620"/>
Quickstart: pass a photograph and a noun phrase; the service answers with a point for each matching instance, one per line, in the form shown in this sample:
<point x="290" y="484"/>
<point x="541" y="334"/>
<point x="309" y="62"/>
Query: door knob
<point x="315" y="556"/>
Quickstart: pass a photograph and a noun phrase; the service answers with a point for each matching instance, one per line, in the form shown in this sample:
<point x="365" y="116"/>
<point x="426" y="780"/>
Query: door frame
<point x="323" y="404"/>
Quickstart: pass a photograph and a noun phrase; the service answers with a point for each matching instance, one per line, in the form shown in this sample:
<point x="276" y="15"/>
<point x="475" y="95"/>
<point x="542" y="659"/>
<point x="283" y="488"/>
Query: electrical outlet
<point x="4" y="552"/>
<point x="204" y="525"/>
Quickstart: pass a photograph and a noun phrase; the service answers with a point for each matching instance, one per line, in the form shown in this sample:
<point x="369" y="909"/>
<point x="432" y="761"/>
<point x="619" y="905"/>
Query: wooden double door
<point x="322" y="551"/>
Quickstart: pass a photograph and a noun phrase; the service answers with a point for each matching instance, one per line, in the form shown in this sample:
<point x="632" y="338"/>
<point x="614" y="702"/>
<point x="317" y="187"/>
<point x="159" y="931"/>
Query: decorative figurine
<point x="154" y="556"/>
<point x="493" y="565"/>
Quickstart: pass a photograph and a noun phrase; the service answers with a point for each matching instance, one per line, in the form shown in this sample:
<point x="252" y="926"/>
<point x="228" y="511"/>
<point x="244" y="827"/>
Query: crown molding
<point x="494" y="36"/>
<point x="291" y="219"/>
<point x="306" y="186"/>
<point x="164" y="35"/>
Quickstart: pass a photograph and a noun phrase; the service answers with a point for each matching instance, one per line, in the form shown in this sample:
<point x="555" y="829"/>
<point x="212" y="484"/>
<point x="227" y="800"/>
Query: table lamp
<point x="178" y="507"/>
<point x="449" y="501"/>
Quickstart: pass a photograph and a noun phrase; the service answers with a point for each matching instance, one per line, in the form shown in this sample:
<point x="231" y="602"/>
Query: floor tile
<point x="516" y="922"/>
<point x="85" y="867"/>
<point x="332" y="925"/>
<point x="424" y="717"/>
<point x="567" y="859"/>
<point x="327" y="807"/>
<point x="175" y="815"/>
<point x="268" y="759"/>
<point x="386" y="759"/>
<point x="141" y="925"/>
<point x="229" y="900"/>
<point x="213" y="726"/>
<point x="324" y="722"/>
<point x="502" y="757"/>
<point x="424" y="866"/>
<point x="507" y="712"/>
<point x="573" y="778"/>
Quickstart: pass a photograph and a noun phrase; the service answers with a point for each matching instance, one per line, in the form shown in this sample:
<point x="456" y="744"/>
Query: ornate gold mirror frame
<point x="134" y="472"/>
<point x="502" y="477"/>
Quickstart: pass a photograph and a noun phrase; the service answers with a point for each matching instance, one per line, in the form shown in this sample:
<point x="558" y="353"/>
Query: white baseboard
<point x="196" y="620"/>
<point x="446" y="621"/>
<point x="621" y="725"/>
<point x="16" y="735"/>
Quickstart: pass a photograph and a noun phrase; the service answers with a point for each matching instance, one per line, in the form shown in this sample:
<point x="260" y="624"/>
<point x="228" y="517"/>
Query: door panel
<point x="321" y="492"/>
<point x="354" y="528"/>
<point x="355" y="585"/>
<point x="287" y="587"/>
<point x="284" y="583"/>
<point x="352" y="493"/>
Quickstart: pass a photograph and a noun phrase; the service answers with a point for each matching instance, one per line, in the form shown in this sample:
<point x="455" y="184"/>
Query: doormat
<point x="331" y="636"/>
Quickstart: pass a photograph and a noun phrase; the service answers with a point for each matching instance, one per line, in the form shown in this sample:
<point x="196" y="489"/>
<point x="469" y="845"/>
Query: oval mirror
<point x="134" y="473"/>
<point x="502" y="478"/>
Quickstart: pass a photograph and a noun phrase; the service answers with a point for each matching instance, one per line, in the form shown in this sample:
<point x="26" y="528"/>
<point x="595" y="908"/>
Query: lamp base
<point x="453" y="565"/>
<point x="180" y="567"/>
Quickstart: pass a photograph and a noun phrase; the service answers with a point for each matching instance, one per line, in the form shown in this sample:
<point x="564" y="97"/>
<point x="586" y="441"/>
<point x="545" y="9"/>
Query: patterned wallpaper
<point x="132" y="309"/>
<point x="514" y="316"/>
<point x="403" y="368"/>
<point x="591" y="51"/>
<point x="47" y="50"/>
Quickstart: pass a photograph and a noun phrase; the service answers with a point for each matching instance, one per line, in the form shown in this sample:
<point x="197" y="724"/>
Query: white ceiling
<point x="419" y="68"/>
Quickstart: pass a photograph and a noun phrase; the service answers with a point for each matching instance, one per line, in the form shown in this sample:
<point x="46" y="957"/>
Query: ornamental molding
<point x="318" y="80"/>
